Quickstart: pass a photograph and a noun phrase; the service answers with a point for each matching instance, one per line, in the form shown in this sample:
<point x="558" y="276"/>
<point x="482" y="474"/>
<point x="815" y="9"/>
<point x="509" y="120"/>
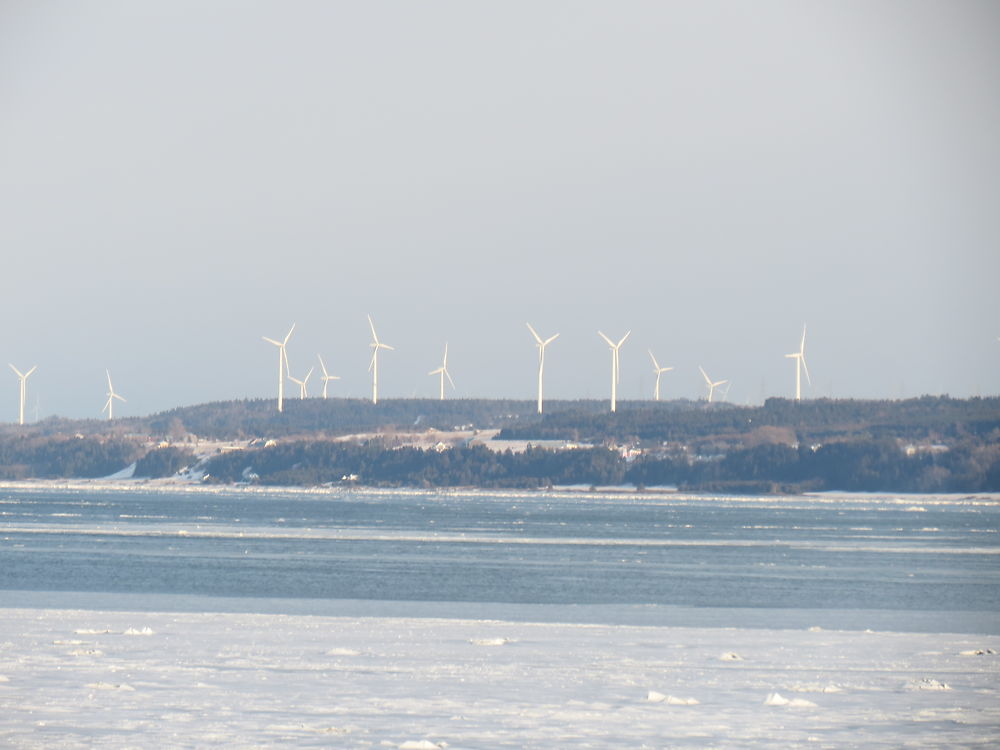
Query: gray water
<point x="496" y="552"/>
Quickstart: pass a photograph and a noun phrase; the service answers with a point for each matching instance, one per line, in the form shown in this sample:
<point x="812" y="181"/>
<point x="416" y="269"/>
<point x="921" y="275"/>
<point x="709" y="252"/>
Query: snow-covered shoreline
<point x="84" y="678"/>
<point x="175" y="485"/>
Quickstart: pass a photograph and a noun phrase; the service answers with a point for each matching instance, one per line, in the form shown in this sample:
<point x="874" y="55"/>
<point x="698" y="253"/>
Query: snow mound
<point x="343" y="652"/>
<point x="68" y="643"/>
<point x="4" y="678"/>
<point x="109" y="686"/>
<point x="977" y="652"/>
<point x="674" y="701"/>
<point x="928" y="683"/>
<point x="91" y="631"/>
<point x="138" y="631"/>
<point x="654" y="697"/>
<point x="776" y="699"/>
<point x="490" y="641"/>
<point x="421" y="745"/>
<point x="730" y="656"/>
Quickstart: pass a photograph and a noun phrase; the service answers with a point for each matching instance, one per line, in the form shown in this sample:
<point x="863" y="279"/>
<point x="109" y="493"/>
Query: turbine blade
<point x="448" y="375"/>
<point x="386" y="346"/>
<point x="535" y="334"/>
<point x="28" y="373"/>
<point x="109" y="380"/>
<point x="438" y="371"/>
<point x="271" y="341"/>
<point x="624" y="337"/>
<point x="802" y="346"/>
<point x="656" y="365"/>
<point x="372" y="325"/>
<point x="323" y="366"/>
<point x="19" y="373"/>
<point x="806" y="368"/>
<point x="289" y="334"/>
<point x="550" y="339"/>
<point x="610" y="342"/>
<point x="115" y="395"/>
<point x="705" y="375"/>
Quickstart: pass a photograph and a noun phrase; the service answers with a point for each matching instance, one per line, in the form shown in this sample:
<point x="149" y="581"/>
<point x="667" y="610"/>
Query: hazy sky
<point x="178" y="179"/>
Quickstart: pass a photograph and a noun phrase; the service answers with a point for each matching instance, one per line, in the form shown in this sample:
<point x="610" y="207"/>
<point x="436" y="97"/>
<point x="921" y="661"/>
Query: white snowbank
<point x="255" y="680"/>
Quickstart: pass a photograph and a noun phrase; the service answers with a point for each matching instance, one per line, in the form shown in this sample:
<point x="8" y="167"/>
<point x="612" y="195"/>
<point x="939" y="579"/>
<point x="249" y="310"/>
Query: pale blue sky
<point x="178" y="179"/>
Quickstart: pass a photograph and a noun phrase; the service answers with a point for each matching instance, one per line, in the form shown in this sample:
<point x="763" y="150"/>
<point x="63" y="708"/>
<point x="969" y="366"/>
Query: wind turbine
<point x="659" y="371"/>
<point x="443" y="371"/>
<point x="711" y="385"/>
<point x="615" y="371"/>
<point x="373" y="367"/>
<point x="326" y="377"/>
<point x="541" y="359"/>
<point x="109" y="404"/>
<point x="282" y="364"/>
<point x="302" y="383"/>
<point x="800" y="364"/>
<point x="23" y="376"/>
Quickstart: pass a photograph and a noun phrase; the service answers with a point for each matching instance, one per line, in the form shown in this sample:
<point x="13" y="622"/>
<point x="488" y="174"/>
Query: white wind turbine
<point x="711" y="385"/>
<point x="303" y="393"/>
<point x="282" y="364"/>
<point x="615" y="366"/>
<point x="659" y="371"/>
<point x="541" y="359"/>
<point x="109" y="404"/>
<point x="800" y="365"/>
<point x="23" y="377"/>
<point x="373" y="367"/>
<point x="326" y="377"/>
<point x="443" y="371"/>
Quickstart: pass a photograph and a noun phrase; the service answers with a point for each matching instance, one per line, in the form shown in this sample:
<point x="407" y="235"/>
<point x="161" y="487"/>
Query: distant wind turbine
<point x="373" y="367"/>
<point x="23" y="377"/>
<point x="109" y="404"/>
<point x="800" y="365"/>
<point x="541" y="359"/>
<point x="711" y="385"/>
<point x="326" y="377"/>
<point x="282" y="364"/>
<point x="443" y="371"/>
<point x="659" y="371"/>
<point x="303" y="393"/>
<point x="615" y="366"/>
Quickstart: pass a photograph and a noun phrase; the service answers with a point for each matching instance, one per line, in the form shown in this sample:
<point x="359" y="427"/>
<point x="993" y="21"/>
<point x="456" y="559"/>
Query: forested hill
<point x="923" y="418"/>
<point x="930" y="444"/>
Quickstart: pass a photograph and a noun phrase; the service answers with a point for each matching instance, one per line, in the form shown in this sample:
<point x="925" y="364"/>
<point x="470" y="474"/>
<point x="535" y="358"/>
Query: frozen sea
<point x="135" y="615"/>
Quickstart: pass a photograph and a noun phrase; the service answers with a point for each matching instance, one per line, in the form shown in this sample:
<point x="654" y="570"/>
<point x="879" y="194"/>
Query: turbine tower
<point x="711" y="385"/>
<point x="659" y="371"/>
<point x="373" y="367"/>
<point x="443" y="371"/>
<point x="541" y="359"/>
<point x="800" y="365"/>
<point x="23" y="377"/>
<point x="109" y="404"/>
<point x="302" y="383"/>
<point x="615" y="370"/>
<point x="326" y="377"/>
<point x="282" y="364"/>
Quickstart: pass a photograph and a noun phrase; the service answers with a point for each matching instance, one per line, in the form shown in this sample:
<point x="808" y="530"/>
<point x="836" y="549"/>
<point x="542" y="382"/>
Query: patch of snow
<point x="139" y="631"/>
<point x="928" y="683"/>
<point x="654" y="697"/>
<point x="776" y="699"/>
<point x="674" y="701"/>
<point x="127" y="473"/>
<point x="489" y="641"/>
<point x="730" y="656"/>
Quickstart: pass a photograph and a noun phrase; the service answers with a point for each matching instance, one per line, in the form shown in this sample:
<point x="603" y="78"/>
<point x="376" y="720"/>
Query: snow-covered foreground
<point x="75" y="678"/>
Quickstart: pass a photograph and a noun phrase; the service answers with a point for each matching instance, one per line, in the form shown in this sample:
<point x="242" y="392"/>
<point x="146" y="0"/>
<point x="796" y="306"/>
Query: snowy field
<point x="82" y="679"/>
